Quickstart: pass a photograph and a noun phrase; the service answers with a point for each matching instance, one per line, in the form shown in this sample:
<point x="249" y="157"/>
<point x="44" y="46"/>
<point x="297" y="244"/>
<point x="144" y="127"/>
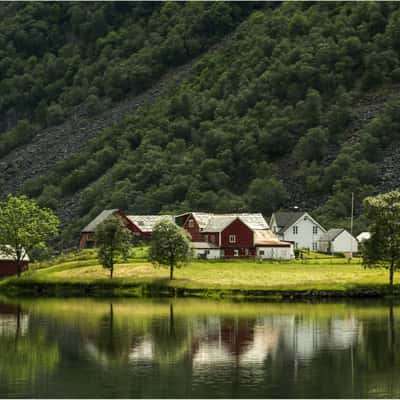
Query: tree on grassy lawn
<point x="383" y="248"/>
<point x="24" y="228"/>
<point x="113" y="239"/>
<point x="170" y="246"/>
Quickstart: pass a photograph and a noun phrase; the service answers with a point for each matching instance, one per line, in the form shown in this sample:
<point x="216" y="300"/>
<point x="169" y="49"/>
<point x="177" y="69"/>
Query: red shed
<point x="8" y="265"/>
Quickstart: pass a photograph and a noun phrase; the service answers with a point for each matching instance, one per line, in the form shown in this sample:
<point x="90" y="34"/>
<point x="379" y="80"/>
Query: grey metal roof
<point x="91" y="226"/>
<point x="9" y="256"/>
<point x="202" y="219"/>
<point x="332" y="234"/>
<point x="146" y="223"/>
<point x="265" y="236"/>
<point x="218" y="222"/>
<point x="285" y="219"/>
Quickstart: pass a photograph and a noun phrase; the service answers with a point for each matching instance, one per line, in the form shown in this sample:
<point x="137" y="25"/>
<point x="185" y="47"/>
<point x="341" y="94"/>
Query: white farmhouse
<point x="297" y="227"/>
<point x="338" y="241"/>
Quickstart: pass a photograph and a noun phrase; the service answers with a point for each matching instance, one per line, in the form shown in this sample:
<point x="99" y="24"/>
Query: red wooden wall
<point x="8" y="268"/>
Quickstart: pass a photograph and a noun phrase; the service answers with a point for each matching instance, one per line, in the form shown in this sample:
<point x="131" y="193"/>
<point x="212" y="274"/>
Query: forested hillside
<point x="297" y="105"/>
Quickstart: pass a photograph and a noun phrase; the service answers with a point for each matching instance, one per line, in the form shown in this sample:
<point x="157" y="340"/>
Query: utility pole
<point x="351" y="224"/>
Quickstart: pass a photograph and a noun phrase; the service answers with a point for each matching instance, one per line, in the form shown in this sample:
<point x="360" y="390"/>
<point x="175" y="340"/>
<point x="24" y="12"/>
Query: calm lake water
<point x="198" y="348"/>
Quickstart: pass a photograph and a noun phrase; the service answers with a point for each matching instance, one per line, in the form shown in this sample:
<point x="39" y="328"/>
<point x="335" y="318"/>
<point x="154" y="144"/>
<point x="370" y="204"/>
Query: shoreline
<point x="102" y="288"/>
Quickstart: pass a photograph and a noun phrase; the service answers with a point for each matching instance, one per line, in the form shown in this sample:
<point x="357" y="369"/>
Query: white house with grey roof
<point x="338" y="241"/>
<point x="298" y="228"/>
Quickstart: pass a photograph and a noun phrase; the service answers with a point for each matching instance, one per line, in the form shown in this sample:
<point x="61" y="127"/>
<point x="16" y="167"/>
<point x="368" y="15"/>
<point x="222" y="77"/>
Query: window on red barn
<point x="232" y="239"/>
<point x="191" y="223"/>
<point x="236" y="252"/>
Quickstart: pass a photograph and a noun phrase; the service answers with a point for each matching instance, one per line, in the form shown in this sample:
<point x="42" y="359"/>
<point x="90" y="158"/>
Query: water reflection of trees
<point x="25" y="355"/>
<point x="289" y="354"/>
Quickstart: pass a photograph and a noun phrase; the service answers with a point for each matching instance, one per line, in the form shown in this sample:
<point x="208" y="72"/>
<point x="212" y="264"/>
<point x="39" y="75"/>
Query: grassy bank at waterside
<point x="316" y="276"/>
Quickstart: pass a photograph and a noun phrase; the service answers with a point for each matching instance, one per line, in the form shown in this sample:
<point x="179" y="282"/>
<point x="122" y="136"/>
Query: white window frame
<point x="261" y="252"/>
<point x="295" y="229"/>
<point x="232" y="238"/>
<point x="236" y="253"/>
<point x="191" y="223"/>
<point x="315" y="230"/>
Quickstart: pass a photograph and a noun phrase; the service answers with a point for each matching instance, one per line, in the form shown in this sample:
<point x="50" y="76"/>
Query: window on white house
<point x="295" y="230"/>
<point x="314" y="246"/>
<point x="191" y="223"/>
<point x="232" y="239"/>
<point x="315" y="230"/>
<point x="236" y="253"/>
<point x="296" y="245"/>
<point x="261" y="252"/>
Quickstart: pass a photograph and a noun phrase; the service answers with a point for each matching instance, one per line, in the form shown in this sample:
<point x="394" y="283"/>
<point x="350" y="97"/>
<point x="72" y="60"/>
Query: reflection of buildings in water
<point x="305" y="337"/>
<point x="12" y="321"/>
<point x="144" y="351"/>
<point x="240" y="342"/>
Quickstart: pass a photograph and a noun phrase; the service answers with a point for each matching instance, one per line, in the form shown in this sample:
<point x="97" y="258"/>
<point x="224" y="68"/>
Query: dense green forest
<point x="268" y="120"/>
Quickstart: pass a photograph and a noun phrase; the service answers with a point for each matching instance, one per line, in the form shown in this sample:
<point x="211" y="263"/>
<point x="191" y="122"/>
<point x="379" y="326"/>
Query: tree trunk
<point x="111" y="272"/>
<point x="391" y="274"/>
<point x="171" y="272"/>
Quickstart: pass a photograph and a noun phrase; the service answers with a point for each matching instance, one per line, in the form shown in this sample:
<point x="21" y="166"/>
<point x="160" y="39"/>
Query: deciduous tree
<point x="170" y="246"/>
<point x="25" y="227"/>
<point x="383" y="248"/>
<point x="113" y="239"/>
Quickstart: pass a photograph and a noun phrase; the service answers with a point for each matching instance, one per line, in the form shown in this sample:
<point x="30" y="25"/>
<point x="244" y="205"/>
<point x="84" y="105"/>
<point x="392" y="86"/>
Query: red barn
<point x="8" y="265"/>
<point x="233" y="235"/>
<point x="141" y="226"/>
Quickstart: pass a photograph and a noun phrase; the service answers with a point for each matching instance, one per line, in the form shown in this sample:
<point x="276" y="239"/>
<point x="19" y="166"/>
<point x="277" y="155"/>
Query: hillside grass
<point x="313" y="273"/>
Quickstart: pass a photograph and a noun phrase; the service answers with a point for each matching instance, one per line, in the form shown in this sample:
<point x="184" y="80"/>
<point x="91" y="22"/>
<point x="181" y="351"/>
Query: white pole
<point x="351" y="224"/>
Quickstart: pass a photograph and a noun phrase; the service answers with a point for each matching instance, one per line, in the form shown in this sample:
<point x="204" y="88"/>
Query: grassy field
<point x="313" y="273"/>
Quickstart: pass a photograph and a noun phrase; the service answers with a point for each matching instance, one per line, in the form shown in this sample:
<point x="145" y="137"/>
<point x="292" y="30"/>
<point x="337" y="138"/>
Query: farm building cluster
<point x="216" y="236"/>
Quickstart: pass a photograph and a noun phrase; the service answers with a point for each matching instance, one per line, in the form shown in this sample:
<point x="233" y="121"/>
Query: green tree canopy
<point x="170" y="246"/>
<point x="113" y="239"/>
<point x="383" y="248"/>
<point x="25" y="227"/>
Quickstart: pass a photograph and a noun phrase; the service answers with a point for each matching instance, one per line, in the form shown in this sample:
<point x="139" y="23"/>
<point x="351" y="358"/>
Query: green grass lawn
<point x="326" y="273"/>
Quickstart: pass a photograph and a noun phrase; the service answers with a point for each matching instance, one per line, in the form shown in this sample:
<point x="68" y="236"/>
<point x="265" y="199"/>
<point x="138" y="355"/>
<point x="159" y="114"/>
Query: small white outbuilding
<point x="363" y="236"/>
<point x="338" y="241"/>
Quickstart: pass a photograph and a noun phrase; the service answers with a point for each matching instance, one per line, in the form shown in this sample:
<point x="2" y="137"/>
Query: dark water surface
<point x="198" y="348"/>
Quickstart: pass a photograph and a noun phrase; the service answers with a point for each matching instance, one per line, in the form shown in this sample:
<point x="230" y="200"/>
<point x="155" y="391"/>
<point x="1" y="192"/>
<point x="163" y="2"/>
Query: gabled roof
<point x="210" y="222"/>
<point x="146" y="223"/>
<point x="202" y="219"/>
<point x="91" y="226"/>
<point x="218" y="222"/>
<point x="285" y="219"/>
<point x="265" y="237"/>
<point x="6" y="256"/>
<point x="332" y="234"/>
